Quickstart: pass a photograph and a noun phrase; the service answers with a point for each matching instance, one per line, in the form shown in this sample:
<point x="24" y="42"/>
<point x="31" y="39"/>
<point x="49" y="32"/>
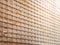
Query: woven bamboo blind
<point x="29" y="22"/>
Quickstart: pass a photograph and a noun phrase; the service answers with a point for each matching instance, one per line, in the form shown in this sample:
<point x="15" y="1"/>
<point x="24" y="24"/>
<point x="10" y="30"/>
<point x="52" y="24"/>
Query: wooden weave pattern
<point x="29" y="22"/>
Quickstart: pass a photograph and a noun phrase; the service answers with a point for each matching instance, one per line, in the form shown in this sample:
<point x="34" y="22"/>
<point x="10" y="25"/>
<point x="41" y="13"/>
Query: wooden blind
<point x="29" y="22"/>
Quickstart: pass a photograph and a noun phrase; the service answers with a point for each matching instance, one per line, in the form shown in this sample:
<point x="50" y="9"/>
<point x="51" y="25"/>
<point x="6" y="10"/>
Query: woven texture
<point x="29" y="22"/>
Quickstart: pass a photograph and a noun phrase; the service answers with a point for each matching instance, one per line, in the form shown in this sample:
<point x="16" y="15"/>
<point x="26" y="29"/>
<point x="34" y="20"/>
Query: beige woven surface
<point x="29" y="22"/>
